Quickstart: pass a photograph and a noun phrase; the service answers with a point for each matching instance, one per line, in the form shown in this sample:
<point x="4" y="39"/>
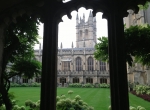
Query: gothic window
<point x="103" y="80"/>
<point x="66" y="65"/>
<point x="24" y="80"/>
<point x="75" y="80"/>
<point x="38" y="80"/>
<point x="90" y="64"/>
<point x="80" y="33"/>
<point x="102" y="66"/>
<point x="89" y="80"/>
<point x="86" y="32"/>
<point x="78" y="64"/>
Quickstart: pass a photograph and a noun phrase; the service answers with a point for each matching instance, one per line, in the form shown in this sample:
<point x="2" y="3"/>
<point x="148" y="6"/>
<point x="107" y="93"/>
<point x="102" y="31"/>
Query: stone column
<point x="117" y="59"/>
<point x="49" y="60"/>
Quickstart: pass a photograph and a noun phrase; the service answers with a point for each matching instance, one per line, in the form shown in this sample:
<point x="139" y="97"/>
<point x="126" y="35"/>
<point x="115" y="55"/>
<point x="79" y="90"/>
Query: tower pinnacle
<point x="90" y="15"/>
<point x="83" y="17"/>
<point x="61" y="46"/>
<point x="77" y="17"/>
<point x="72" y="45"/>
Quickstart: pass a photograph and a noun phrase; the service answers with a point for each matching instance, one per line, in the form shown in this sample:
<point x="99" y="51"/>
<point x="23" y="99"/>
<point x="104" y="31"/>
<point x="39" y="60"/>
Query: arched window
<point x="75" y="80"/>
<point x="86" y="31"/>
<point x="102" y="66"/>
<point x="103" y="80"/>
<point x="90" y="64"/>
<point x="80" y="33"/>
<point x="89" y="80"/>
<point x="78" y="64"/>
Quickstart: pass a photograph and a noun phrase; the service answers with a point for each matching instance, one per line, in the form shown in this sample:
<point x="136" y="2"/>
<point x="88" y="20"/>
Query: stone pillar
<point x="1" y="50"/>
<point x="49" y="60"/>
<point x="117" y="59"/>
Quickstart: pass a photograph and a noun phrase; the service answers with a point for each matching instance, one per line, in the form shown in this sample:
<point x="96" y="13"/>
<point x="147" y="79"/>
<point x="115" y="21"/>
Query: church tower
<point x="86" y="31"/>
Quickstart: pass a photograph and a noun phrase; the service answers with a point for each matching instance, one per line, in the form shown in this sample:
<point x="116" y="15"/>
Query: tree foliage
<point x="27" y="67"/>
<point x="20" y="37"/>
<point x="101" y="49"/>
<point x="144" y="7"/>
<point x="137" y="43"/>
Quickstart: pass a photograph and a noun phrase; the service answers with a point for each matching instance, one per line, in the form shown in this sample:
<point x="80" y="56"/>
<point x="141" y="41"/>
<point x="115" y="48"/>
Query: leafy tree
<point x="137" y="43"/>
<point x="145" y="6"/>
<point x="20" y="38"/>
<point x="101" y="49"/>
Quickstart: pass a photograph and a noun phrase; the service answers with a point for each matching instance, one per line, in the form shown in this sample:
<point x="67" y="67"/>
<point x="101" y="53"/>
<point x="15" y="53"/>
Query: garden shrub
<point x="89" y="85"/>
<point x="14" y="85"/>
<point x="132" y="108"/>
<point x="64" y="103"/>
<point x="104" y="85"/>
<point x="35" y="84"/>
<point x="77" y="85"/>
<point x="142" y="91"/>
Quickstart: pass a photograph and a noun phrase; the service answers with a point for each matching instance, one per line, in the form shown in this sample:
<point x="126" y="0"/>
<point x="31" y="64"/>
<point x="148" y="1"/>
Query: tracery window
<point x="90" y="64"/>
<point x="78" y="64"/>
<point x="103" y="80"/>
<point x="102" y="66"/>
<point x="66" y="65"/>
<point x="75" y="80"/>
<point x="89" y="80"/>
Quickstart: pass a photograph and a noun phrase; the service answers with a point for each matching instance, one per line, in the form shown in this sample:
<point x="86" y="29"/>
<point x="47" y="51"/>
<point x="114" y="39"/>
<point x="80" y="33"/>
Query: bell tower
<point x="86" y="31"/>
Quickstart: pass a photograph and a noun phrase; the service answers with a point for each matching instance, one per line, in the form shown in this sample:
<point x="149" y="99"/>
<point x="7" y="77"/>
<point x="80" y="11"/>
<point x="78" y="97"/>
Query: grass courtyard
<point x="99" y="98"/>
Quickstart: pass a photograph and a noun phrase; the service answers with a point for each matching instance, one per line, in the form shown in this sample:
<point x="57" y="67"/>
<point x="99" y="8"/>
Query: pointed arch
<point x="90" y="64"/>
<point x="78" y="64"/>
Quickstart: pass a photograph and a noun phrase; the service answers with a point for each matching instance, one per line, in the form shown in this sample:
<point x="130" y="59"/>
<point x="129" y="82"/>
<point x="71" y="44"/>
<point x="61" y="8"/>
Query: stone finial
<point x="90" y="15"/>
<point x="83" y="17"/>
<point x="94" y="19"/>
<point x="72" y="45"/>
<point x="61" y="46"/>
<point x="80" y="19"/>
<point x="77" y="17"/>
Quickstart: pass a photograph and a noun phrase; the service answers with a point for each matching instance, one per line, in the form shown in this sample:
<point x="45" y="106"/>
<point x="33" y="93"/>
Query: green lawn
<point x="97" y="97"/>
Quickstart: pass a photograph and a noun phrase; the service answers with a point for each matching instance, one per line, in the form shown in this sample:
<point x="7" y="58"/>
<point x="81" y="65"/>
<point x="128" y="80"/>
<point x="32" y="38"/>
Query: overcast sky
<point x="67" y="28"/>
